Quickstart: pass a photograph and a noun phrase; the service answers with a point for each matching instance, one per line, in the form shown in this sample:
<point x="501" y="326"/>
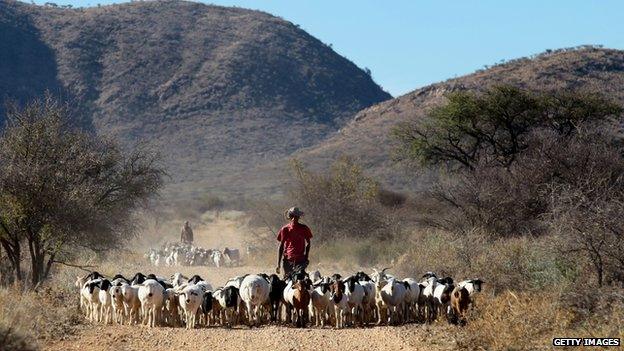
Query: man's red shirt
<point x="294" y="237"/>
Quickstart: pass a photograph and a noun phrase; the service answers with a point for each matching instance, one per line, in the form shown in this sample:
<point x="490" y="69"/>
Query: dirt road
<point x="410" y="337"/>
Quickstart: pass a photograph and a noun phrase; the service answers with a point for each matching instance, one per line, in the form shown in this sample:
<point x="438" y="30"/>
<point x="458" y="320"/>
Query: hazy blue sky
<point x="411" y="43"/>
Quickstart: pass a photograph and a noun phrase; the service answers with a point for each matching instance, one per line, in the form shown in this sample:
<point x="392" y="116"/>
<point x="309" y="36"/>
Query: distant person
<point x="186" y="236"/>
<point x="294" y="246"/>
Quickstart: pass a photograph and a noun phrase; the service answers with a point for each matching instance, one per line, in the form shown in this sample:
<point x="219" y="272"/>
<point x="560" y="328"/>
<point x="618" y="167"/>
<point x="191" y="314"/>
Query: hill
<point x="217" y="90"/>
<point x="367" y="138"/>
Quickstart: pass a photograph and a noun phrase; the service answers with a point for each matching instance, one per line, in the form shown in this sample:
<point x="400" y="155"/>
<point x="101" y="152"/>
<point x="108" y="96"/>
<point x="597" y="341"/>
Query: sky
<point x="408" y="44"/>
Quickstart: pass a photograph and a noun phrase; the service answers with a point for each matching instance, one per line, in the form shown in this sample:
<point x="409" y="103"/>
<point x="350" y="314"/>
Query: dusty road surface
<point x="277" y="338"/>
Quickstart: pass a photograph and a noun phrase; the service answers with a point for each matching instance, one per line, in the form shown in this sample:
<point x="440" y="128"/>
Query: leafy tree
<point x="63" y="189"/>
<point x="493" y="127"/>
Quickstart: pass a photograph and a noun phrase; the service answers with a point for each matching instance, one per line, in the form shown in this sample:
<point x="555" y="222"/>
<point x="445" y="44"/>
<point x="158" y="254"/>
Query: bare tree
<point x="587" y="213"/>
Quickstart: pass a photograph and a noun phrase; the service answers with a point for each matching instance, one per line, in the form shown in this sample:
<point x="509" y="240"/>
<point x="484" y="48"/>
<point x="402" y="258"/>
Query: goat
<point x="361" y="276"/>
<point x="118" y="302"/>
<point x="151" y="295"/>
<point x="316" y="277"/>
<point x="254" y="291"/>
<point x="442" y="296"/>
<point x="297" y="296"/>
<point x="319" y="302"/>
<point x="106" y="301"/>
<point x="217" y="258"/>
<point x="229" y="300"/>
<point x="194" y="279"/>
<point x="119" y="279"/>
<point x="473" y="286"/>
<point x="190" y="300"/>
<point x="171" y="307"/>
<point x="132" y="304"/>
<point x="460" y="300"/>
<point x="411" y="298"/>
<point x="355" y="296"/>
<point x="339" y="302"/>
<point x="276" y="295"/>
<point x="178" y="279"/>
<point x="393" y="297"/>
<point x="231" y="256"/>
<point x="235" y="282"/>
<point x="91" y="294"/>
<point x="207" y="306"/>
<point x="138" y="278"/>
<point x="368" y="302"/>
<point x="378" y="276"/>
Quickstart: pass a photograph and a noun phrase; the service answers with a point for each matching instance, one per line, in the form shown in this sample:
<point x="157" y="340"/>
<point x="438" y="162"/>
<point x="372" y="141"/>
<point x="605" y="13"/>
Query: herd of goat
<point x="302" y="299"/>
<point x="182" y="254"/>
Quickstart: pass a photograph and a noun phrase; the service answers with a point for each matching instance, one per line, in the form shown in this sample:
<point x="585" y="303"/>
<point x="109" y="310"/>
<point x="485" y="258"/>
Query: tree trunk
<point x="48" y="266"/>
<point x="37" y="258"/>
<point x="13" y="251"/>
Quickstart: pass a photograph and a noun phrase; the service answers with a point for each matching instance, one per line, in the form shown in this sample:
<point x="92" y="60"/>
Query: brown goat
<point x="301" y="300"/>
<point x="460" y="300"/>
<point x="341" y="307"/>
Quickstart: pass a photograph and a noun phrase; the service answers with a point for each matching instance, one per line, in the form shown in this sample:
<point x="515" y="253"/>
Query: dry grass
<point x="516" y="321"/>
<point x="529" y="321"/>
<point x="28" y="319"/>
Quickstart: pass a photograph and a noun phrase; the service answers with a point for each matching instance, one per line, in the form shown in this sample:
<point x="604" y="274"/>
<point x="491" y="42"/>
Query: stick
<point x="83" y="267"/>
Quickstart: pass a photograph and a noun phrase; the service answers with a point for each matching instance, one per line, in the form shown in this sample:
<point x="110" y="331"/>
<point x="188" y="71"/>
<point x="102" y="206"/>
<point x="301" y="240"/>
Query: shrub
<point x="341" y="203"/>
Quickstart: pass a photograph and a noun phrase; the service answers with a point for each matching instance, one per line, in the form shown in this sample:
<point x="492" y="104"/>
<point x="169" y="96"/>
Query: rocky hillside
<point x="367" y="137"/>
<point x="219" y="91"/>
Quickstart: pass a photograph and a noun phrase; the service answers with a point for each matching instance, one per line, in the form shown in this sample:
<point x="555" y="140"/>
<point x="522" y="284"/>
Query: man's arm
<point x="307" y="250"/>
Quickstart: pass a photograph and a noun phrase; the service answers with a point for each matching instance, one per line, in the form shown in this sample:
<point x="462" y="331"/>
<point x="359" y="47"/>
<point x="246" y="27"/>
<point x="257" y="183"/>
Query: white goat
<point x="151" y="295"/>
<point x="119" y="310"/>
<point x="368" y="302"/>
<point x="254" y="291"/>
<point x="106" y="302"/>
<point x="355" y="296"/>
<point x="132" y="304"/>
<point x="393" y="296"/>
<point x="442" y="296"/>
<point x="339" y="302"/>
<point x="90" y="292"/>
<point x="320" y="303"/>
<point x="217" y="258"/>
<point x="430" y="284"/>
<point x="411" y="298"/>
<point x="190" y="301"/>
<point x="473" y="286"/>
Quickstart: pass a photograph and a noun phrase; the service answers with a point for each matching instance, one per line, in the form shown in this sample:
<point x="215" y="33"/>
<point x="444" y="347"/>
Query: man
<point x="294" y="240"/>
<point x="186" y="237"/>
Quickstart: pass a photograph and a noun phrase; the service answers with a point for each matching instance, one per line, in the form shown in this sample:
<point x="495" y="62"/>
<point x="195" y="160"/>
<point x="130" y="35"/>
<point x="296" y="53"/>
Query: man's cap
<point x="294" y="212"/>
